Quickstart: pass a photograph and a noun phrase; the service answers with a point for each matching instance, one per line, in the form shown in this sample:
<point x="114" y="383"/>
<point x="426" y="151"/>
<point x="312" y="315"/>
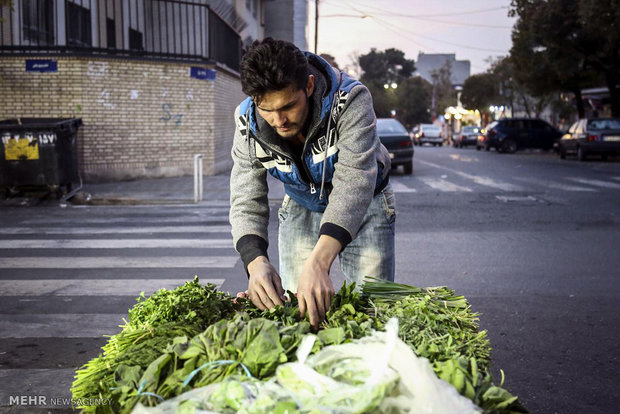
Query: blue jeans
<point x="371" y="253"/>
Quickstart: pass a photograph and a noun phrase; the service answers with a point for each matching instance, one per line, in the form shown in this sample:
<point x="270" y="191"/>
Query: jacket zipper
<point x="290" y="158"/>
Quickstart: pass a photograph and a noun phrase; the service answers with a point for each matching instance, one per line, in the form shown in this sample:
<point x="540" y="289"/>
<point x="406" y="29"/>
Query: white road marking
<point x="485" y="181"/>
<point x="117" y="244"/>
<point x="399" y="187"/>
<point x="551" y="184"/>
<point x="120" y="262"/>
<point x="91" y="287"/>
<point x="116" y="230"/>
<point x="596" y="183"/>
<point x="443" y="185"/>
<point x="66" y="325"/>
<point x="197" y="221"/>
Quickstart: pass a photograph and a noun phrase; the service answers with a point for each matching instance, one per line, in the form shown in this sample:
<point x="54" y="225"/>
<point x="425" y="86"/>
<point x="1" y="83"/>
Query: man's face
<point x="286" y="110"/>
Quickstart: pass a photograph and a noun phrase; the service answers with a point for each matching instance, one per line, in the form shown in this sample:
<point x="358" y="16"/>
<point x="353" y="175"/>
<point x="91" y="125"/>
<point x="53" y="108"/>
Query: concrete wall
<point x="141" y="118"/>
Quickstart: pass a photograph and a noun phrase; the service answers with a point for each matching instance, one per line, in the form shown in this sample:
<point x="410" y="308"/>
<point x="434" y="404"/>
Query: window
<point x="78" y="25"/>
<point x="111" y="33"/>
<point x="38" y="23"/>
<point x="135" y="40"/>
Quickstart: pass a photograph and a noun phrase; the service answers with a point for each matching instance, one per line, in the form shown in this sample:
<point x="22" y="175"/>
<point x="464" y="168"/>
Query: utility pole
<point x="316" y="25"/>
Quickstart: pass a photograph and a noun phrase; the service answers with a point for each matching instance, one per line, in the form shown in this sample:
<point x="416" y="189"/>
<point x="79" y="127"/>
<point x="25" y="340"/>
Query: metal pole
<point x="316" y="25"/>
<point x="197" y="178"/>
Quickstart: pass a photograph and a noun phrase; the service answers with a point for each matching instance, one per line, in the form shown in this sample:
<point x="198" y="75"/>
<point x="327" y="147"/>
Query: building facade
<point x="154" y="81"/>
<point x="427" y="63"/>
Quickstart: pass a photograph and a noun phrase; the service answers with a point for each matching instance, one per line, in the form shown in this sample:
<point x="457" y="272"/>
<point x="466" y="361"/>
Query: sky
<point x="474" y="30"/>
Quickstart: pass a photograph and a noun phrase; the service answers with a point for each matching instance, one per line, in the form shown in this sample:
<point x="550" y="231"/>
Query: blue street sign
<point x="38" y="65"/>
<point x="202" y="73"/>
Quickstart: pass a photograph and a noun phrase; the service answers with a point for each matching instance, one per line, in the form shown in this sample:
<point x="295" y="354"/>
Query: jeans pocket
<point x="389" y="204"/>
<point x="284" y="209"/>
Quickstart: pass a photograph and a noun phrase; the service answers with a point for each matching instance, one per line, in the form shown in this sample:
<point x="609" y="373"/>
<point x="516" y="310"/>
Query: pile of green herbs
<point x="194" y="336"/>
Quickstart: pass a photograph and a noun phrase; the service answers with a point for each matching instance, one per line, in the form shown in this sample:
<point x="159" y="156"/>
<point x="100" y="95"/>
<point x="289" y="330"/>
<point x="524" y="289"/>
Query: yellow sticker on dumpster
<point x="20" y="148"/>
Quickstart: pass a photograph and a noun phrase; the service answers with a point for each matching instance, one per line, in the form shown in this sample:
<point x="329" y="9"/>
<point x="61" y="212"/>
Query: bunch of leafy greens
<point x="153" y="323"/>
<point x="194" y="335"/>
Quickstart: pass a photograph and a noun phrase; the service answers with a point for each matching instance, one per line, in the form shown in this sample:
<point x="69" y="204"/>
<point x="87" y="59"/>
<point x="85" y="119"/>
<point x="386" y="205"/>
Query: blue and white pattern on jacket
<point x="320" y="148"/>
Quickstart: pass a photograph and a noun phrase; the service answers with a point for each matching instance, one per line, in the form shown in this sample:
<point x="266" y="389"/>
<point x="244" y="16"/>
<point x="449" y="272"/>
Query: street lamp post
<point x="316" y="25"/>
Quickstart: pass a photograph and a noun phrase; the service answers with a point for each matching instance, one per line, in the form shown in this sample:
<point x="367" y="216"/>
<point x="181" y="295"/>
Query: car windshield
<point x="390" y="126"/>
<point x="604" y="124"/>
<point x="430" y="128"/>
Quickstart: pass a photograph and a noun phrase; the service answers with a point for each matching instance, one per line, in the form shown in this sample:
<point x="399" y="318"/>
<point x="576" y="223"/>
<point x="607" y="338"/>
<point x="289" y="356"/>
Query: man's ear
<point x="310" y="85"/>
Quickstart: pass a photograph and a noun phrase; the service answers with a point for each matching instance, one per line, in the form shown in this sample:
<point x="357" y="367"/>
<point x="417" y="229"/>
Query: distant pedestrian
<point x="313" y="128"/>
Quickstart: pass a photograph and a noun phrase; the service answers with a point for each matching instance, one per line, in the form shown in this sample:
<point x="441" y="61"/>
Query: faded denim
<point x="371" y="253"/>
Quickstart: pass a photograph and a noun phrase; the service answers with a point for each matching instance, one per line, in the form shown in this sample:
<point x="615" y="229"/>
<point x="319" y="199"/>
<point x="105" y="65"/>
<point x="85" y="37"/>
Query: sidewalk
<point x="168" y="190"/>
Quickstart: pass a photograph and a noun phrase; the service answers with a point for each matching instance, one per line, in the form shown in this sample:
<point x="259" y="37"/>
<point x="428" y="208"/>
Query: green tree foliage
<point x="385" y="67"/>
<point x="567" y="45"/>
<point x="410" y="99"/>
<point x="414" y="96"/>
<point x="480" y="91"/>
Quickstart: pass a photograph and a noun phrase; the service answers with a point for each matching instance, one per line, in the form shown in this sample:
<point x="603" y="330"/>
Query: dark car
<point x="600" y="136"/>
<point x="467" y="136"/>
<point x="396" y="139"/>
<point x="511" y="134"/>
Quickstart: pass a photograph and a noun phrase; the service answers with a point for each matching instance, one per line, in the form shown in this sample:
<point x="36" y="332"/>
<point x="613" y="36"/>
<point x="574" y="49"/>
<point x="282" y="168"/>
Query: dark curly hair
<point x="272" y="65"/>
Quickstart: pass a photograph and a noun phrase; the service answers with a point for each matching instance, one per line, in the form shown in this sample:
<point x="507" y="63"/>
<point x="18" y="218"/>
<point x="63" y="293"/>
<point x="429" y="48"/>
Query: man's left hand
<point x="315" y="289"/>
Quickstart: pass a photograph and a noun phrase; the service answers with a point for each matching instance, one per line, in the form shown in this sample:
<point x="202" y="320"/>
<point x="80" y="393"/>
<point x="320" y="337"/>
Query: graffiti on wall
<point x="169" y="116"/>
<point x="105" y="100"/>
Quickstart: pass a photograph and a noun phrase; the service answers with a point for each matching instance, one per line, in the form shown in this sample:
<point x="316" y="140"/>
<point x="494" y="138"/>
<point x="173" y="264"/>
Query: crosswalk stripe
<point x="120" y="262"/>
<point x="551" y="184"/>
<point x="78" y="221"/>
<point x="485" y="181"/>
<point x="117" y="244"/>
<point x="60" y="325"/>
<point x="399" y="187"/>
<point x="596" y="183"/>
<point x="91" y="287"/>
<point x="443" y="185"/>
<point x="116" y="230"/>
<point x="53" y="385"/>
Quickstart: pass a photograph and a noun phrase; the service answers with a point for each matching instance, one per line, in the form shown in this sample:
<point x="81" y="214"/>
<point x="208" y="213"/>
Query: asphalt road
<point x="531" y="240"/>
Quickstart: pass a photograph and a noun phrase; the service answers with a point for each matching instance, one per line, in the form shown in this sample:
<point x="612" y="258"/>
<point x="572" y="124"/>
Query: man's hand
<point x="315" y="289"/>
<point x="265" y="286"/>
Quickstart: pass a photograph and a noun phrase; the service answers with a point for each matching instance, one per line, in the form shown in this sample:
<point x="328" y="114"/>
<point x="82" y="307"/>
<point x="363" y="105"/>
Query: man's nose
<point x="279" y="119"/>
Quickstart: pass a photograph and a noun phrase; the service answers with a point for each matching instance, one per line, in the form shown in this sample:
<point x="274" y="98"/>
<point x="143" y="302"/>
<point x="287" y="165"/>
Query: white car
<point x="427" y="133"/>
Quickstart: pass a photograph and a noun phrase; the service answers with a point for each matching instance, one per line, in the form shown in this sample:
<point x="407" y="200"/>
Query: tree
<point x="443" y="94"/>
<point x="385" y="68"/>
<point x="480" y="91"/>
<point x="567" y="45"/>
<point x="330" y="59"/>
<point x="414" y="97"/>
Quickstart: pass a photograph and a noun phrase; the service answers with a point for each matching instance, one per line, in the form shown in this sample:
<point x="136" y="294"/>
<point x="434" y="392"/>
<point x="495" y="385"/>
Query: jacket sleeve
<point x="355" y="173"/>
<point x="249" y="205"/>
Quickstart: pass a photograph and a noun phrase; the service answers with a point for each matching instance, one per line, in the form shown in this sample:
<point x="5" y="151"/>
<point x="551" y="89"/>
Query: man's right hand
<point x="265" y="286"/>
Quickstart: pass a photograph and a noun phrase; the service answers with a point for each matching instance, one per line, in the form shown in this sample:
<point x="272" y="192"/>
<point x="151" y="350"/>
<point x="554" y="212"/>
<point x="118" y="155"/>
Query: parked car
<point x="396" y="139"/>
<point x="589" y="136"/>
<point x="467" y="136"/>
<point x="511" y="134"/>
<point x="427" y="133"/>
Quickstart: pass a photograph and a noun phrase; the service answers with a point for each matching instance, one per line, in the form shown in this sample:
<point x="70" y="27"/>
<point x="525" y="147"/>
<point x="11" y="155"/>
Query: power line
<point x="420" y="16"/>
<point x="439" y="40"/>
